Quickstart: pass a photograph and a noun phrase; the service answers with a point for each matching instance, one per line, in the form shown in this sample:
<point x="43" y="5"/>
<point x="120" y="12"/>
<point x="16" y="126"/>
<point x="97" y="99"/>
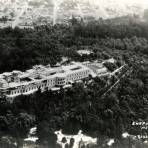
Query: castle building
<point x="15" y="83"/>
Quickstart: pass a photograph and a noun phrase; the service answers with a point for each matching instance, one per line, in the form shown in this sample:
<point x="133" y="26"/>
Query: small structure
<point x="31" y="140"/>
<point x="84" y="52"/>
<point x="79" y="140"/>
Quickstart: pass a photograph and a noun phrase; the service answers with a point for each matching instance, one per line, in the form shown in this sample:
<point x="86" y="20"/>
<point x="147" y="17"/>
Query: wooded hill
<point x="79" y="107"/>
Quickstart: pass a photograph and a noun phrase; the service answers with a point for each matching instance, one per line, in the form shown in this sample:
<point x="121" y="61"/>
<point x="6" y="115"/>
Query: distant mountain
<point x="30" y="12"/>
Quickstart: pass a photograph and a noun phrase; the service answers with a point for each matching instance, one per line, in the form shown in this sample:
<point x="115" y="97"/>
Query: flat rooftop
<point x="37" y="74"/>
<point x="40" y="73"/>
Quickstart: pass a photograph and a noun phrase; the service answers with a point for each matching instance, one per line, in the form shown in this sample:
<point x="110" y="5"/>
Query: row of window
<point x="51" y="82"/>
<point x="61" y="79"/>
<point x="79" y="77"/>
<point x="79" y="74"/>
<point x="60" y="82"/>
<point x="21" y="90"/>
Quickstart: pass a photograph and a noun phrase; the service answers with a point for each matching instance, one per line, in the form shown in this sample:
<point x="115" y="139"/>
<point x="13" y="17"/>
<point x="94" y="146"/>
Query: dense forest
<point x="83" y="106"/>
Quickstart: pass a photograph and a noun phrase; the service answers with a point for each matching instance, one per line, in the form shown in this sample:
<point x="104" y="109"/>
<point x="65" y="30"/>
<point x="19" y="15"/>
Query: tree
<point x="21" y="126"/>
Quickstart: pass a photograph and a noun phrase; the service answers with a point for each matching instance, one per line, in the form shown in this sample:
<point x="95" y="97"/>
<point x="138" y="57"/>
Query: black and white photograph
<point x="73" y="73"/>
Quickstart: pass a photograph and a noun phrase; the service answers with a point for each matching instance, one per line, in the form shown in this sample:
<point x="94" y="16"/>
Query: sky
<point x="122" y="1"/>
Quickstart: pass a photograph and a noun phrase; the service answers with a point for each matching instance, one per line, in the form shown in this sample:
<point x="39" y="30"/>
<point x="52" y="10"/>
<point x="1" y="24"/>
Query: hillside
<point x="84" y="106"/>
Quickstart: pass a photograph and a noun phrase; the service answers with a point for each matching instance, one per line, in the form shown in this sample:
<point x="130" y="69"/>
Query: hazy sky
<point x="144" y="3"/>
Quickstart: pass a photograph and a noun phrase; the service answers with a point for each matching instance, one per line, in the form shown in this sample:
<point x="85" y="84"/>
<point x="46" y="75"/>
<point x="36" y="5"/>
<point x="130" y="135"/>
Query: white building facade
<point x="45" y="77"/>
